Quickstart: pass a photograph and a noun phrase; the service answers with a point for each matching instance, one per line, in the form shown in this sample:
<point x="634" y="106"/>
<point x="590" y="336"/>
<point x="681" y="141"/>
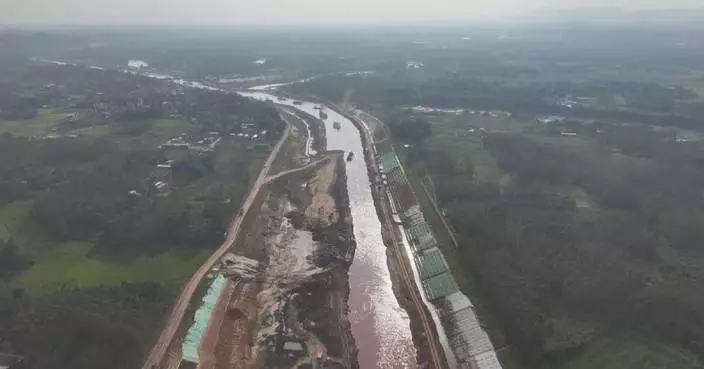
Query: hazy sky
<point x="288" y="11"/>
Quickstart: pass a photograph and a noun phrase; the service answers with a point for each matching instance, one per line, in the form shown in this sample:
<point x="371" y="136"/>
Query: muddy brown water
<point x="380" y="326"/>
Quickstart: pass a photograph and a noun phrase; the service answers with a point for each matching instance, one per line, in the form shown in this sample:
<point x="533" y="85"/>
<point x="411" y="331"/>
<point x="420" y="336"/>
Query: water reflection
<point x="380" y="326"/>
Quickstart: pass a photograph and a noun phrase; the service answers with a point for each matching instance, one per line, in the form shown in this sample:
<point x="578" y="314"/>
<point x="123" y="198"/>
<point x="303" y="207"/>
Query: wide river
<point x="380" y="326"/>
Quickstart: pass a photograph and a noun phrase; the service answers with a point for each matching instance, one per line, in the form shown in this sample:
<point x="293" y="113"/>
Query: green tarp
<point x="389" y="162"/>
<point x="200" y="320"/>
<point x="439" y="286"/>
<point x="418" y="230"/>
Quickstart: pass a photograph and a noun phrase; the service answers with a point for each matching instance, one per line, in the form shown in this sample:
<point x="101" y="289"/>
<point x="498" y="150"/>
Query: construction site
<point x="278" y="298"/>
<point x="335" y="267"/>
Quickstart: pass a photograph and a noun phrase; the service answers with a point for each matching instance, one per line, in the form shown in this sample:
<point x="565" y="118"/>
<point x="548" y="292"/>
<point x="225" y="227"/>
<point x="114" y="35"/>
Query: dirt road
<point x="276" y="176"/>
<point x="179" y="309"/>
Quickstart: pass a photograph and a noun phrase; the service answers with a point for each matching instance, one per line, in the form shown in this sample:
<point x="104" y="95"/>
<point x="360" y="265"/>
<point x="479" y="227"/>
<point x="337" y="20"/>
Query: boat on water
<point x="336" y="125"/>
<point x="298" y="103"/>
<point x="350" y="156"/>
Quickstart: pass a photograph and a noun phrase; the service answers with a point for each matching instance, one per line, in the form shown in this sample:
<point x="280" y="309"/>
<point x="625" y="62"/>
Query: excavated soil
<point x="295" y="315"/>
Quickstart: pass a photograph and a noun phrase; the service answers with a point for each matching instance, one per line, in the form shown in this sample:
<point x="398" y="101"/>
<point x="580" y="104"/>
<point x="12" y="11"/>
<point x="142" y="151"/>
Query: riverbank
<point x="425" y="335"/>
<point x="380" y="325"/>
<point x="292" y="309"/>
<point x="466" y="342"/>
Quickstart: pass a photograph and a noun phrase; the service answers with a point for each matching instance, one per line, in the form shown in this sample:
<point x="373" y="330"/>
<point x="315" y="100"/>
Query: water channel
<point x="380" y="326"/>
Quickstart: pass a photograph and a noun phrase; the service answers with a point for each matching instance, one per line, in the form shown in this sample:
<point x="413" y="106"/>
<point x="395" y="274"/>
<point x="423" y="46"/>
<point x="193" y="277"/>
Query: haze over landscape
<point x="298" y="12"/>
<point x="370" y="184"/>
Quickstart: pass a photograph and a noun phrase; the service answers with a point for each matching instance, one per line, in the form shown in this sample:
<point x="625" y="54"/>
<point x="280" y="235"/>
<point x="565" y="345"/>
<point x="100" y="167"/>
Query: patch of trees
<point x="28" y="166"/>
<point x="81" y="191"/>
<point x="98" y="205"/>
<point x="559" y="276"/>
<point x="12" y="261"/>
<point x="130" y="100"/>
<point x="98" y="327"/>
<point x="163" y="224"/>
<point x="103" y="190"/>
<point x="17" y="106"/>
<point x="215" y="111"/>
<point x="646" y="103"/>
<point x="410" y="129"/>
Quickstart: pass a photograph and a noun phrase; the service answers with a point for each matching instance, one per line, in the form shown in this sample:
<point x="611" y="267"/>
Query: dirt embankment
<point x="293" y="151"/>
<point x="317" y="129"/>
<point x="294" y="315"/>
<point x="324" y="211"/>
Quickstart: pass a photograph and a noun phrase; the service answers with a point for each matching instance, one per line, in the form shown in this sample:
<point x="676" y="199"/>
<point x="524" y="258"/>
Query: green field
<point x="450" y="124"/>
<point x="11" y="218"/>
<point x="94" y="131"/>
<point x="70" y="265"/>
<point x="608" y="353"/>
<point x="42" y="124"/>
<point x="168" y="127"/>
<point x="161" y="129"/>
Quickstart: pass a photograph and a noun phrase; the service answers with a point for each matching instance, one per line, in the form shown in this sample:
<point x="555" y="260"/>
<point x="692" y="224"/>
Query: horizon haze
<point x="322" y="12"/>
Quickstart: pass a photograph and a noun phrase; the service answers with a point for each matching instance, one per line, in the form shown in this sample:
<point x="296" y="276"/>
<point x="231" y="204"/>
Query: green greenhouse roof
<point x="425" y="241"/>
<point x="439" y="286"/>
<point x="419" y="229"/>
<point x="431" y="263"/>
<point x="389" y="162"/>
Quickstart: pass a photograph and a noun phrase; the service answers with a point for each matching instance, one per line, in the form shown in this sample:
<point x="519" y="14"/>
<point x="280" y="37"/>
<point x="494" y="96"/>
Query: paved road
<point x="162" y="344"/>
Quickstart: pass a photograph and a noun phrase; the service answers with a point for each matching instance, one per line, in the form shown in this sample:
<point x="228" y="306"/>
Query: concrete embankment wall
<point x="469" y="342"/>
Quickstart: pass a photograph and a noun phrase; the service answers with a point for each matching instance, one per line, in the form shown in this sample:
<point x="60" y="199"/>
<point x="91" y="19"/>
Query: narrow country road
<point x="162" y="344"/>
